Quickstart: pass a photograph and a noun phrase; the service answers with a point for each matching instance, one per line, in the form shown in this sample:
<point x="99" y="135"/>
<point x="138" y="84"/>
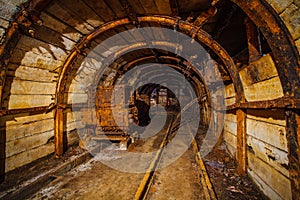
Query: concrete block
<point x="7" y="10"/>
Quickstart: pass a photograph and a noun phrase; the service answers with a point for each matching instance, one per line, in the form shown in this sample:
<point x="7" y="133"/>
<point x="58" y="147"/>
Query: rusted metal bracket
<point x="280" y="41"/>
<point x="41" y="109"/>
<point x="280" y="103"/>
<point x="293" y="138"/>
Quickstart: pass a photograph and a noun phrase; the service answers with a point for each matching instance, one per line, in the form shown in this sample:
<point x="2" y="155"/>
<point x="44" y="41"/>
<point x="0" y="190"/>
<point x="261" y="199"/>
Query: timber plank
<point x="36" y="60"/>
<point x="26" y="157"/>
<point x="20" y="131"/>
<point x="25" y="73"/>
<point x="25" y="144"/>
<point x="60" y="11"/>
<point x="79" y="8"/>
<point x="271" y="134"/>
<point x="275" y="157"/>
<point x="117" y="8"/>
<point x="101" y="8"/>
<point x="28" y="101"/>
<point x="149" y="6"/>
<point x="29" y="44"/>
<point x="271" y="177"/>
<point x="62" y="28"/>
<point x="163" y="7"/>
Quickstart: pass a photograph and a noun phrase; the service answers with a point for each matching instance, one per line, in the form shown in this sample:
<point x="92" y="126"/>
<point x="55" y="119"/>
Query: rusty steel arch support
<point x="197" y="79"/>
<point x="198" y="76"/>
<point x="287" y="62"/>
<point x="285" y="53"/>
<point x="142" y="59"/>
<point x="202" y="36"/>
<point x="183" y="26"/>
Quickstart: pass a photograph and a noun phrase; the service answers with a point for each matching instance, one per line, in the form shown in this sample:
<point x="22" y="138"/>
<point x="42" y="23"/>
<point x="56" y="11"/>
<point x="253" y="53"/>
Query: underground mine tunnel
<point x="149" y="99"/>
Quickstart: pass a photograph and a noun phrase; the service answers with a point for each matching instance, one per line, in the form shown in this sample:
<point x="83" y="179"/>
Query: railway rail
<point x="148" y="179"/>
<point x="187" y="177"/>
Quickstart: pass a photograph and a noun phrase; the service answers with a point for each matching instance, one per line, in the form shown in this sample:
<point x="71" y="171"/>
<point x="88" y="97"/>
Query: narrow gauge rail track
<point x="147" y="181"/>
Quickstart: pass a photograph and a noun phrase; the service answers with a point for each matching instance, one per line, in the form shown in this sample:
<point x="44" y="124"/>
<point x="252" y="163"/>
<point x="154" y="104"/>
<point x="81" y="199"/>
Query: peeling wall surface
<point x="37" y="65"/>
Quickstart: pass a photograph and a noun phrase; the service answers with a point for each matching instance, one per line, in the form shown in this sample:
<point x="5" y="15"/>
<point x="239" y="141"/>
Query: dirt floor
<point x="180" y="180"/>
<point x="95" y="180"/>
<point x="27" y="174"/>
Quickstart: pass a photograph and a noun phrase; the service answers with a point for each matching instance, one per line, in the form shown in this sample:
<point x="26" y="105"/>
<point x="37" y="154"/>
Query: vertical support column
<point x="241" y="153"/>
<point x="254" y="44"/>
<point x="59" y="132"/>
<point x="2" y="154"/>
<point x="293" y="138"/>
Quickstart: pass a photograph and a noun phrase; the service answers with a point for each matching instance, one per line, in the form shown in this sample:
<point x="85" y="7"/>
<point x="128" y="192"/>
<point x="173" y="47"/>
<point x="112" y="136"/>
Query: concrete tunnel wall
<point x="33" y="70"/>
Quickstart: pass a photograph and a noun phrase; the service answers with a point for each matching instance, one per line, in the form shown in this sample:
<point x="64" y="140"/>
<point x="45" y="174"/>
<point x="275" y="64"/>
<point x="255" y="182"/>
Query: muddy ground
<point x="227" y="183"/>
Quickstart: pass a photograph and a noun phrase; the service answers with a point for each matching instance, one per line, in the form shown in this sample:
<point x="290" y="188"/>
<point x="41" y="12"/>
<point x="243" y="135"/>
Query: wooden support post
<point x="241" y="153"/>
<point x="254" y="45"/>
<point x="59" y="131"/>
<point x="2" y="154"/>
<point x="293" y="138"/>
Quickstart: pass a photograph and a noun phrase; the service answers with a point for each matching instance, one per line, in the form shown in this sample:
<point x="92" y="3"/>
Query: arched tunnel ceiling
<point x="45" y="19"/>
<point x="64" y="24"/>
